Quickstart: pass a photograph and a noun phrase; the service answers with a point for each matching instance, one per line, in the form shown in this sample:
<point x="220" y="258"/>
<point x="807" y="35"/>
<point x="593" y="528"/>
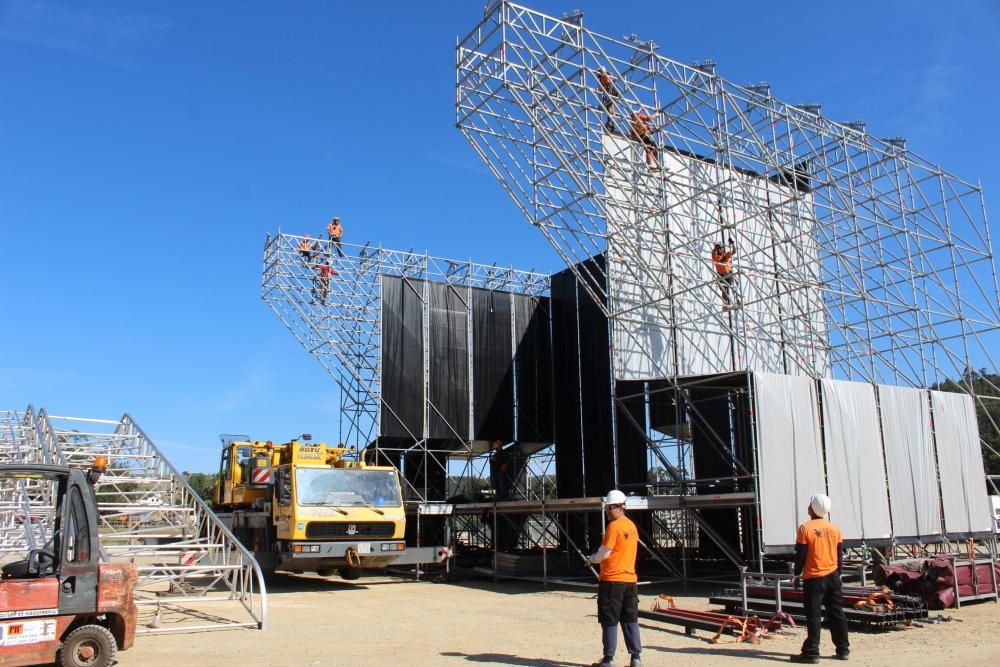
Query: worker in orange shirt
<point x="642" y="132"/>
<point x="722" y="258"/>
<point x="819" y="556"/>
<point x="306" y="247"/>
<point x="609" y="94"/>
<point x="617" y="590"/>
<point x="336" y="233"/>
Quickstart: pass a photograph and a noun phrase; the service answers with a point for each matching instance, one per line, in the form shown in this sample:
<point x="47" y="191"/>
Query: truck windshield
<point x="342" y="486"/>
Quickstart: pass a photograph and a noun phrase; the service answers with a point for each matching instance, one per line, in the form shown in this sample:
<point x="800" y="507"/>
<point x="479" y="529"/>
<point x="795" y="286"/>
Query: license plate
<point x="364" y="548"/>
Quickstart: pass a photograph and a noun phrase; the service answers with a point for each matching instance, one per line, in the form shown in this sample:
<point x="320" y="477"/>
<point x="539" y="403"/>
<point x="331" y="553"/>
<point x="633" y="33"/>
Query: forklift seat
<point x="40" y="563"/>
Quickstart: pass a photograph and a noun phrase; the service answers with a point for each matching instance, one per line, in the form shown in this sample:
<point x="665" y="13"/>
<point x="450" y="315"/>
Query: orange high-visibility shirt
<point x="822" y="539"/>
<point x="622" y="537"/>
<point x="305" y="245"/>
<point x="640" y="124"/>
<point x="334" y="229"/>
<point x="723" y="261"/>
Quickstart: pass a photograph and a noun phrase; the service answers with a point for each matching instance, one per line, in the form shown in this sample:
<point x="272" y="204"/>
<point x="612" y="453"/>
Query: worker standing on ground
<point x="819" y="557"/>
<point x="336" y="234"/>
<point x="642" y="132"/>
<point x="722" y="258"/>
<point x="617" y="590"/>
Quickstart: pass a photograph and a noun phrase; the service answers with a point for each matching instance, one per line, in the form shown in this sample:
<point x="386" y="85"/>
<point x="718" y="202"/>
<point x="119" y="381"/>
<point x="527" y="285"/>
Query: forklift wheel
<point x="350" y="573"/>
<point x="326" y="571"/>
<point x="88" y="646"/>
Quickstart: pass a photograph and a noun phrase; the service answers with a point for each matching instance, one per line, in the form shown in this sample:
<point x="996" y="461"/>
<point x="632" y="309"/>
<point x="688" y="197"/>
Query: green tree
<point x="203" y="483"/>
<point x="987" y="387"/>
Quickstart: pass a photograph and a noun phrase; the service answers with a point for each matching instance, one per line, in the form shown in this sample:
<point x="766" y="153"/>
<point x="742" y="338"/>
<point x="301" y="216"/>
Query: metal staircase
<point x="193" y="573"/>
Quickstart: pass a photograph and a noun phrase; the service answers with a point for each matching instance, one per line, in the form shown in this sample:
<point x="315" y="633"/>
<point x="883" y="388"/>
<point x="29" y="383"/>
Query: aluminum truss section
<point x="193" y="573"/>
<point x="25" y="516"/>
<point x="858" y="258"/>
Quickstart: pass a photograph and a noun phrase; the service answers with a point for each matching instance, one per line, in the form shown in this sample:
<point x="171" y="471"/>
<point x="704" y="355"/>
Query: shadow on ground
<point x="721" y="652"/>
<point x="507" y="659"/>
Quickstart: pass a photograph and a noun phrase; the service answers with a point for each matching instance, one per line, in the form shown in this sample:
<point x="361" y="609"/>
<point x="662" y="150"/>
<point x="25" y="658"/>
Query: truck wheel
<point x="88" y="646"/>
<point x="326" y="571"/>
<point x="350" y="573"/>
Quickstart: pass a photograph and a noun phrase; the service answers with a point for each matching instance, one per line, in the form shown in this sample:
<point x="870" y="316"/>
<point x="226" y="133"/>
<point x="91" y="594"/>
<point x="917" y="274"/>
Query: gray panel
<point x="960" y="462"/>
<point x="854" y="462"/>
<point x="789" y="455"/>
<point x="677" y="325"/>
<point x="909" y="457"/>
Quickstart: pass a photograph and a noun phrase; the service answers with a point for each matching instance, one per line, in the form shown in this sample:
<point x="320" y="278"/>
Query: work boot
<point x="805" y="659"/>
<point x="842" y="655"/>
<point x="604" y="663"/>
<point x="636" y="662"/>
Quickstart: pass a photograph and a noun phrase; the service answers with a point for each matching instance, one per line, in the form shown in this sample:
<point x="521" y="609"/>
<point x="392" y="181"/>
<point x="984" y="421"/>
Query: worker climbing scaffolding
<point x="722" y="259"/>
<point x="306" y="248"/>
<point x="321" y="281"/>
<point x="642" y="132"/>
<point x="609" y="95"/>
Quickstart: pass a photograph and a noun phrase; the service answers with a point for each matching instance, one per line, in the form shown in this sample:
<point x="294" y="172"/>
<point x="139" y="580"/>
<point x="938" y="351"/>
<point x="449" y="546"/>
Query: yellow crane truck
<point x="303" y="506"/>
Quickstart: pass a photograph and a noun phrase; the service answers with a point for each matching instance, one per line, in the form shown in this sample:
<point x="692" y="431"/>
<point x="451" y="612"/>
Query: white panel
<point x="789" y="454"/>
<point x="909" y="458"/>
<point x="960" y="463"/>
<point x="667" y="222"/>
<point x="854" y="462"/>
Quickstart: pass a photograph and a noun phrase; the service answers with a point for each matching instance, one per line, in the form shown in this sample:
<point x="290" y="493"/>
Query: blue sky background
<point x="146" y="148"/>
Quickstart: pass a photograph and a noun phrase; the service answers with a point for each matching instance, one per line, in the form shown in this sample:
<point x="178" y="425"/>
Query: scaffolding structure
<point x="853" y="258"/>
<point x="339" y="322"/>
<point x="193" y="573"/>
<point x="856" y="257"/>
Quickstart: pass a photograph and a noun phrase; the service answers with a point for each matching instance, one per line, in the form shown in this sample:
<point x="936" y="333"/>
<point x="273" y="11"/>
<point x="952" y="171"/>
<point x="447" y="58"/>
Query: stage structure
<point x="194" y="575"/>
<point x="855" y="259"/>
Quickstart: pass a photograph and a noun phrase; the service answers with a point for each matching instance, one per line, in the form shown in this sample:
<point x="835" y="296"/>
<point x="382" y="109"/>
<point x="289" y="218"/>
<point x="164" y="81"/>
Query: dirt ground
<point x="316" y="622"/>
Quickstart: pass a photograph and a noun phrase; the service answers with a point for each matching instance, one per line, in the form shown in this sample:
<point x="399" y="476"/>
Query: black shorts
<point x="617" y="602"/>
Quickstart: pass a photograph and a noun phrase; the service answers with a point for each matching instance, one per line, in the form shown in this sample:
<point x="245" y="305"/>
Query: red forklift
<point x="60" y="605"/>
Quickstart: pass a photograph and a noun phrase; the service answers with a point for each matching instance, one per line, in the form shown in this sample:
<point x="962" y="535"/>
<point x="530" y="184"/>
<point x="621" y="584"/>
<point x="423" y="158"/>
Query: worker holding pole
<point x="819" y="556"/>
<point x="617" y="590"/>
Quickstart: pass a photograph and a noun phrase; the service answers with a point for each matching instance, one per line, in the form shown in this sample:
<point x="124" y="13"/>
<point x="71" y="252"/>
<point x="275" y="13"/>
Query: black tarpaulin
<point x="566" y="387"/>
<point x="595" y="385"/>
<point x="710" y="439"/>
<point x="448" y="413"/>
<point x="533" y="363"/>
<point x="631" y="424"/>
<point x="402" y="408"/>
<point x="492" y="357"/>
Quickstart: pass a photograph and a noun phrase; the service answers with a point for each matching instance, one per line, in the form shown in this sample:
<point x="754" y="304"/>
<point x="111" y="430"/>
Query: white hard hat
<point x="820" y="505"/>
<point x="614" y="497"/>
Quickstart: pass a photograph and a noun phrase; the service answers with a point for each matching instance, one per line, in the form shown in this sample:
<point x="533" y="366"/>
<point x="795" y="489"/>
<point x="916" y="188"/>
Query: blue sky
<point x="146" y="148"/>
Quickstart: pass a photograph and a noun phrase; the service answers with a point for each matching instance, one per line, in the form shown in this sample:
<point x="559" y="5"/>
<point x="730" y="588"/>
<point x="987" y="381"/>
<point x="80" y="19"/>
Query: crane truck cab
<point x="303" y="506"/>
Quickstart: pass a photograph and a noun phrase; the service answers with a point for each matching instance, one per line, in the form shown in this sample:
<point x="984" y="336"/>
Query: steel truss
<point x="905" y="270"/>
<point x="193" y="573"/>
<point x="879" y="263"/>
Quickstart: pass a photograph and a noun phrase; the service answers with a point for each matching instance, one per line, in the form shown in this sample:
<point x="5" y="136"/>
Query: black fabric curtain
<point x="402" y="358"/>
<point x="448" y="415"/>
<point x="534" y="369"/>
<point x="492" y="372"/>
